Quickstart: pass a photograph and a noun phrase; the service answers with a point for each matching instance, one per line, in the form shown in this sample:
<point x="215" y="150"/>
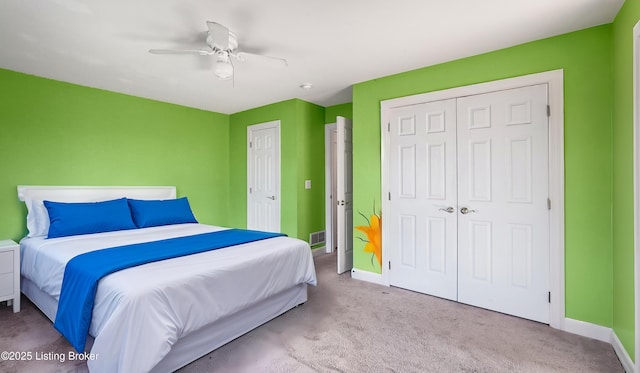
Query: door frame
<point x="273" y="124"/>
<point x="328" y="186"/>
<point x="554" y="80"/>
<point x="636" y="189"/>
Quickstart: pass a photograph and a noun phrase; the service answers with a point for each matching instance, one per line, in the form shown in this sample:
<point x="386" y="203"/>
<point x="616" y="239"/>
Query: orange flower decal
<point x="374" y="235"/>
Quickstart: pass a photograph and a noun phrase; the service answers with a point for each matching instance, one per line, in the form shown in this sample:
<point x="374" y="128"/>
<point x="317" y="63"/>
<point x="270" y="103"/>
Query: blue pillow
<point x="152" y="213"/>
<point x="69" y="219"/>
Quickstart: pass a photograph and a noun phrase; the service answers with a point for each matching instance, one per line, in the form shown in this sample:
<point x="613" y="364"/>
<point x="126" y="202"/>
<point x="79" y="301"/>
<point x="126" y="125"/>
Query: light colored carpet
<point x="353" y="326"/>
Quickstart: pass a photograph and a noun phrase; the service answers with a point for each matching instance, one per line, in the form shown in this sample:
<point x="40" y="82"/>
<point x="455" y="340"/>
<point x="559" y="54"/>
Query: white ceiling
<point x="331" y="44"/>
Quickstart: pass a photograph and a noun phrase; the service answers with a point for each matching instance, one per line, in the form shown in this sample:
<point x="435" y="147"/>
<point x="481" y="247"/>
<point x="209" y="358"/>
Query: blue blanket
<point x="82" y="273"/>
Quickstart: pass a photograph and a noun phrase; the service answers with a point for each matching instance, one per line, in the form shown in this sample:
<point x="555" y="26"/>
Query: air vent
<point x="316" y="238"/>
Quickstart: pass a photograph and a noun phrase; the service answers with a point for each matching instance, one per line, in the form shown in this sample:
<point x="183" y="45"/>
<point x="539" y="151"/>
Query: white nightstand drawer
<point x="6" y="262"/>
<point x="6" y="284"/>
<point x="10" y="273"/>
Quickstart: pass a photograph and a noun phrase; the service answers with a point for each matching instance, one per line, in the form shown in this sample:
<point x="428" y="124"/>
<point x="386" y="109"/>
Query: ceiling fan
<point x="222" y="45"/>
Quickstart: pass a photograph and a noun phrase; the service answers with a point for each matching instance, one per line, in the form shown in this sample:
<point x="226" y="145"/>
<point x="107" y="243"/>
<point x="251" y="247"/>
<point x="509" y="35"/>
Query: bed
<point x="159" y="316"/>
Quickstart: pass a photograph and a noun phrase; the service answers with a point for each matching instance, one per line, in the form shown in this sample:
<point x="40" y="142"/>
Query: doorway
<point x="339" y="192"/>
<point x="331" y="185"/>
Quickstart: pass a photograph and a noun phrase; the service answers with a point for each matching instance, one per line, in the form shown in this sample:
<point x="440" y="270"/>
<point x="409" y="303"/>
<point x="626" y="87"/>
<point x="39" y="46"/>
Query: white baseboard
<point x="358" y="274"/>
<point x="623" y="356"/>
<point x="587" y="329"/>
<point x="601" y="333"/>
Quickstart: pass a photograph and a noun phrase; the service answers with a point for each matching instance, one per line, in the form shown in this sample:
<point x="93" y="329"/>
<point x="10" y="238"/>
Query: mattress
<point x="140" y="313"/>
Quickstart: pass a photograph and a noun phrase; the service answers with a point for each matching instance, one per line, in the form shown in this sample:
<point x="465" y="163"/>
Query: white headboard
<point x="93" y="193"/>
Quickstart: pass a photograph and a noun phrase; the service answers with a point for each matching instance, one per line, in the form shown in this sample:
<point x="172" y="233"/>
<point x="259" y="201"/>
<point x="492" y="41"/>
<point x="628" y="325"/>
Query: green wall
<point x="585" y="57"/>
<point x="343" y="110"/>
<point x="623" y="256"/>
<point x="311" y="206"/>
<point x="302" y="158"/>
<point x="55" y="133"/>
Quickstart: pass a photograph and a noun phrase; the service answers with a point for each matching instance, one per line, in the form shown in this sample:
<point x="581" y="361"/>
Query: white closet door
<point x="503" y="239"/>
<point x="422" y="217"/>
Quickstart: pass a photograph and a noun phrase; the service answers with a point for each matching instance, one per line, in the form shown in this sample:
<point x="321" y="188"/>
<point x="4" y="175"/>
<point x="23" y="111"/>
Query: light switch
<point x="307" y="184"/>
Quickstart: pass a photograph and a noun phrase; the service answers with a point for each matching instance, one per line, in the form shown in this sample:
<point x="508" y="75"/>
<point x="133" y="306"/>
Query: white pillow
<point x="37" y="218"/>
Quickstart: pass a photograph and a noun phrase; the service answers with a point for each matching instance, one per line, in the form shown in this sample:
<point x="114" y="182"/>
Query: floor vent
<point x="316" y="238"/>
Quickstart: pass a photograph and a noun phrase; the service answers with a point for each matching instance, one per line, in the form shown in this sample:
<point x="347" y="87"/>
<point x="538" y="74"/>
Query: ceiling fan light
<point x="223" y="68"/>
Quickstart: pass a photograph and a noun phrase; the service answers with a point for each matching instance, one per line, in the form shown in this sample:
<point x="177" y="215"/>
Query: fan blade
<point x="181" y="51"/>
<point x="273" y="61"/>
<point x="219" y="35"/>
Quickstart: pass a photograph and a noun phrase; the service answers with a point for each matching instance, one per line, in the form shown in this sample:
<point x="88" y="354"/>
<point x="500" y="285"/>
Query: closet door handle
<point x="466" y="211"/>
<point x="449" y="209"/>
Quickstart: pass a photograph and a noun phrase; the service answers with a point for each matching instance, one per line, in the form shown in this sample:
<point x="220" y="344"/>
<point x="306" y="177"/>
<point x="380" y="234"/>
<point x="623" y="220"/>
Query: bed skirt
<point x="204" y="340"/>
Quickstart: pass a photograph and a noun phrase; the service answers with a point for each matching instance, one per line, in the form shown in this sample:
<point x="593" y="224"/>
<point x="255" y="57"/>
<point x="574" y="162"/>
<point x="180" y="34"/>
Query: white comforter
<point x="141" y="312"/>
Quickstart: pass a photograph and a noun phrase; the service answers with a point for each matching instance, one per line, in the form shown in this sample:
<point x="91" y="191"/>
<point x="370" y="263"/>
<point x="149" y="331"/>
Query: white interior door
<point x="422" y="220"/>
<point x="503" y="187"/>
<point x="344" y="199"/>
<point x="263" y="177"/>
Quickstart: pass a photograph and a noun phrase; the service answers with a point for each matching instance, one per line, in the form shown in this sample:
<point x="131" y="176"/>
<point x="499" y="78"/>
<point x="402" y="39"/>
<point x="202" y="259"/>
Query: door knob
<point x="449" y="209"/>
<point x="466" y="211"/>
<point x="272" y="197"/>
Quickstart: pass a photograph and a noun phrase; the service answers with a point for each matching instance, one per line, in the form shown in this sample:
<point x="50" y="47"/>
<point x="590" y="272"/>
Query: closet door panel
<point x="503" y="224"/>
<point x="422" y="220"/>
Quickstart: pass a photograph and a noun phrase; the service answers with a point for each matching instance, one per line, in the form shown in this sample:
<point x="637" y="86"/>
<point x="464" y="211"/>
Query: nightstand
<point x="10" y="273"/>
